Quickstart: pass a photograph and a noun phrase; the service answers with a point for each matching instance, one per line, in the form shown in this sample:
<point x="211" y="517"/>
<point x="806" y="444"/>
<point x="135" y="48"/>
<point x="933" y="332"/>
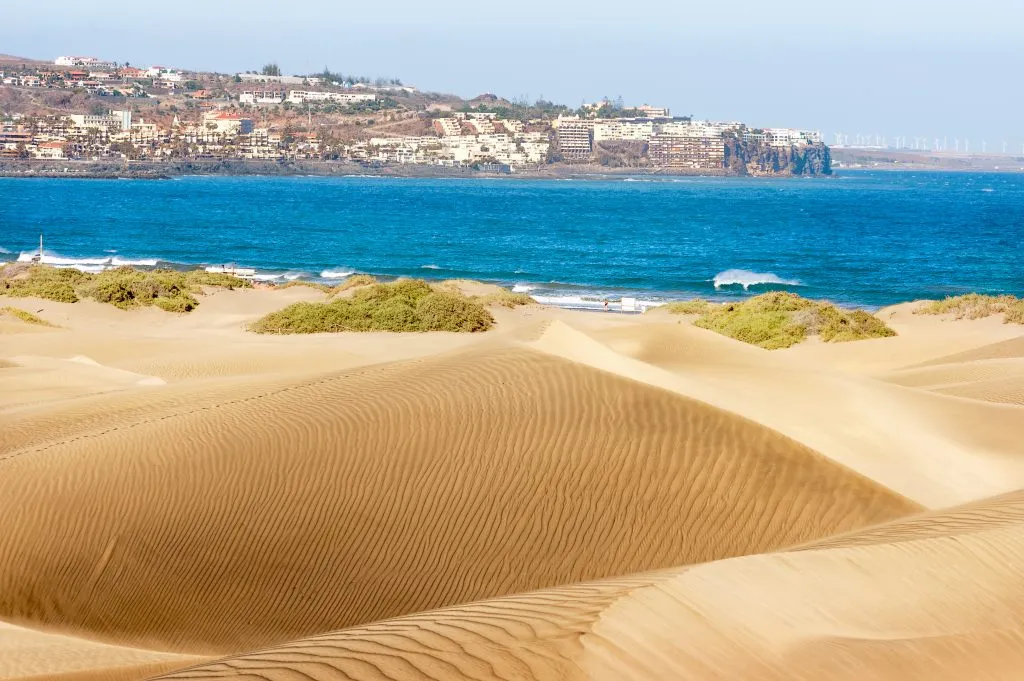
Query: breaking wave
<point x="746" y="279"/>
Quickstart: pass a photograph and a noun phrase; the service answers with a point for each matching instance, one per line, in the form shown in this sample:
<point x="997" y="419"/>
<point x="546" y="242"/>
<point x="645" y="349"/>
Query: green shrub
<point x="440" y="311"/>
<point x="123" y="287"/>
<point x="323" y="288"/>
<point x="505" y="298"/>
<point x="25" y="316"/>
<point x="977" y="306"/>
<point x="696" y="306"/>
<point x="196" y="278"/>
<point x="780" y="320"/>
<point x="355" y="281"/>
<point x="406" y="305"/>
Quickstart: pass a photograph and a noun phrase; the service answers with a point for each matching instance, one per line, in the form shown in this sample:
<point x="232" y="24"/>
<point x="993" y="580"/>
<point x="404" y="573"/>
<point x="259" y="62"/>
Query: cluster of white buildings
<point x="304" y="97"/>
<point x="462" y="139"/>
<point x="672" y="143"/>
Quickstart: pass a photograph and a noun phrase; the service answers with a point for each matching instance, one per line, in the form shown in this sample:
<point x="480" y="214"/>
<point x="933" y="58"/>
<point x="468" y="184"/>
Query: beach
<point x="568" y="495"/>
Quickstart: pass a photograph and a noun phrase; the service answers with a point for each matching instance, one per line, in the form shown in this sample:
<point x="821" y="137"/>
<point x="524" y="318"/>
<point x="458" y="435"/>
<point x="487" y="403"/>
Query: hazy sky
<point x="928" y="68"/>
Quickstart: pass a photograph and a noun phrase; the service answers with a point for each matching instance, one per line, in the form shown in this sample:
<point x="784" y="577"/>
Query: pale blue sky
<point x="908" y="67"/>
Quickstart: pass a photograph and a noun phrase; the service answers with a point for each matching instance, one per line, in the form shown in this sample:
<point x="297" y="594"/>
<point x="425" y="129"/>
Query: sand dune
<point x="929" y="447"/>
<point x="303" y="507"/>
<point x="931" y="597"/>
<point x="447" y="501"/>
<point x="27" y="654"/>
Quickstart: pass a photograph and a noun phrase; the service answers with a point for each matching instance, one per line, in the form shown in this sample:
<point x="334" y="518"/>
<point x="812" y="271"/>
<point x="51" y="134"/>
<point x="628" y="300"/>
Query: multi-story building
<point x="623" y="130"/>
<point x="347" y="98"/>
<point x="112" y="121"/>
<point x="90" y="62"/>
<point x="574" y="137"/>
<point x="788" y="137"/>
<point x="448" y="127"/>
<point x="262" y="97"/>
<point x="687" y="151"/>
<point x="653" y="111"/>
<point x="226" y="124"/>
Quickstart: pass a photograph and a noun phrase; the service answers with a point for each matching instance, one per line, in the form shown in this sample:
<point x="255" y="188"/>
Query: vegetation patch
<point x="977" y="306"/>
<point x="355" y="281"/>
<point x="407" y="305"/>
<point x="123" y="287"/>
<point x="323" y="288"/>
<point x="780" y="320"/>
<point x="25" y="316"/>
<point x="505" y="298"/>
<point x="696" y="306"/>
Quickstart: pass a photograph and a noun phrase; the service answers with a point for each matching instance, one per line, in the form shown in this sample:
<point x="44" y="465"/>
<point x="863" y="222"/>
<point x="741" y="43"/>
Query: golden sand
<point x="571" y="495"/>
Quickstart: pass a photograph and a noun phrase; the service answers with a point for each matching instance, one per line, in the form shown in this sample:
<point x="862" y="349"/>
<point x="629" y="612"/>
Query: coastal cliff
<point x="758" y="159"/>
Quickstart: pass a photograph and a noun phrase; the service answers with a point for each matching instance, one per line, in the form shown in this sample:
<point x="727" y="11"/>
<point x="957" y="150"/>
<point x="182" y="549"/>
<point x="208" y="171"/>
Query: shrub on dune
<point x="355" y="281"/>
<point x="779" y="320"/>
<point x="977" y="306"/>
<point x="407" y="305"/>
<point x="38" y="281"/>
<point x="323" y="288"/>
<point x="696" y="306"/>
<point x="505" y="298"/>
<point x="123" y="287"/>
<point x="25" y="316"/>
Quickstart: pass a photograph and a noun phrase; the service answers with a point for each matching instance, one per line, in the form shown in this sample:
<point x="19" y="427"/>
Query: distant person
<point x="605" y="305"/>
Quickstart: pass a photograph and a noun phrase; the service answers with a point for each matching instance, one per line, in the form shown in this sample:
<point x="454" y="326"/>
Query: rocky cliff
<point x="757" y="158"/>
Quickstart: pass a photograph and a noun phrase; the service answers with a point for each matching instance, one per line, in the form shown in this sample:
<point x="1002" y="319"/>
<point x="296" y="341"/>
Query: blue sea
<point x="862" y="238"/>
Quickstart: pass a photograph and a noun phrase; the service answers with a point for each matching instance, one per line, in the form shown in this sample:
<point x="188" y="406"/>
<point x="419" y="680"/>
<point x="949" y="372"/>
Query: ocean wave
<point x="82" y="263"/>
<point x="431" y="267"/>
<point x="4" y="250"/>
<point x="523" y="288"/>
<point x="595" y="302"/>
<point x="746" y="279"/>
<point x="336" y="274"/>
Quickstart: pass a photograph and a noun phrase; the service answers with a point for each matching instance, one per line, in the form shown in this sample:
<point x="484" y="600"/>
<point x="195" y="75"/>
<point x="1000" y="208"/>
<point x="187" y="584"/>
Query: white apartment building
<point x="261" y="97"/>
<point x="653" y="111"/>
<point x="512" y="125"/>
<point x="482" y="126"/>
<point x="89" y="62"/>
<point x="302" y="96"/>
<point x="788" y="137"/>
<point x="623" y="130"/>
<point x="260" y="78"/>
<point x="448" y="127"/>
<point x="115" y="120"/>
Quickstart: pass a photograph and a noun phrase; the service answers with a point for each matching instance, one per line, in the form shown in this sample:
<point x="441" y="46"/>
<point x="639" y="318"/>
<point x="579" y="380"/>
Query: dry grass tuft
<point x="407" y="305"/>
<point x="780" y="319"/>
<point x="25" y="316"/>
<point x="977" y="306"/>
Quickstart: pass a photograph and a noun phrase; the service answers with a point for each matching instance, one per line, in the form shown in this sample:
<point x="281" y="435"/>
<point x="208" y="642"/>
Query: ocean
<point x="861" y="238"/>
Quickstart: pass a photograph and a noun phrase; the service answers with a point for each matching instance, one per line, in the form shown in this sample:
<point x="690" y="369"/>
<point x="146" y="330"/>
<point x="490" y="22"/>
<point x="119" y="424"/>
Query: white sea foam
<point x="3" y="250"/>
<point x="746" y="279"/>
<point x="523" y="288"/>
<point x="336" y="274"/>
<point x="430" y="267"/>
<point x="90" y="263"/>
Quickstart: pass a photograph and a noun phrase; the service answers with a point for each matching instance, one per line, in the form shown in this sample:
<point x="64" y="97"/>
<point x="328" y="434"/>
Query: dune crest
<point x="918" y="598"/>
<point x="350" y="497"/>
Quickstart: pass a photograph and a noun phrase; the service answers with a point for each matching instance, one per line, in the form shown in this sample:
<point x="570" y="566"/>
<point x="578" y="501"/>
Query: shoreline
<point x="162" y="170"/>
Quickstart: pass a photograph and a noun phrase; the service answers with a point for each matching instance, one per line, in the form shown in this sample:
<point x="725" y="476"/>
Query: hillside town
<point x="89" y="109"/>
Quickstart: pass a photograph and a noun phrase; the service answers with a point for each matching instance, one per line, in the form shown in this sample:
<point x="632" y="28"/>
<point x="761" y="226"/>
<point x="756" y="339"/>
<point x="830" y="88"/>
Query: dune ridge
<point x="933" y="596"/>
<point x="570" y="496"/>
<point x="350" y="498"/>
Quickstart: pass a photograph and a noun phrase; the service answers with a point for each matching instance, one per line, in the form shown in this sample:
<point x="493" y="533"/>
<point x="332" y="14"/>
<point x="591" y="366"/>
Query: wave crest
<point x="746" y="279"/>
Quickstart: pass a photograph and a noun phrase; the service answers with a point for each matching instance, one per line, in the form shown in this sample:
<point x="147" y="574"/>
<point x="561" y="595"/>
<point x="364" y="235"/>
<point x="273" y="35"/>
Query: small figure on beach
<point x="606" y="305"/>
